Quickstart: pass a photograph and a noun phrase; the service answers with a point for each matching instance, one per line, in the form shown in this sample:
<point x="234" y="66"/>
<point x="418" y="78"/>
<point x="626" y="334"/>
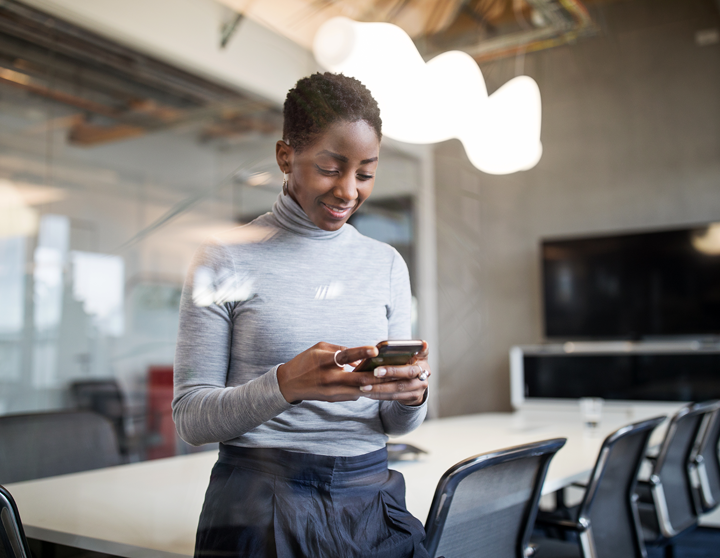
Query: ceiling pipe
<point x="568" y="20"/>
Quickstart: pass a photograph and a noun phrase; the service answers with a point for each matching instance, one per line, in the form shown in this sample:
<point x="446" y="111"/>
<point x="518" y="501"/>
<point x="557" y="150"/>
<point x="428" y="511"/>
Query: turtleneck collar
<point x="291" y="216"/>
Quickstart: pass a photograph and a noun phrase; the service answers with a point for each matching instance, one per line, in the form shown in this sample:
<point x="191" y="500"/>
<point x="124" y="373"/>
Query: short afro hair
<point x="318" y="101"/>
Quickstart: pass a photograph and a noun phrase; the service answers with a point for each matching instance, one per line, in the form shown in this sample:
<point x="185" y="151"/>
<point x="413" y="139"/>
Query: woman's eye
<point x="365" y="176"/>
<point x="328" y="172"/>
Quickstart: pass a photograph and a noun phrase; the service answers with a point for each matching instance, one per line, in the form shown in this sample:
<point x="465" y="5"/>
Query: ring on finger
<point x="335" y="359"/>
<point x="423" y="376"/>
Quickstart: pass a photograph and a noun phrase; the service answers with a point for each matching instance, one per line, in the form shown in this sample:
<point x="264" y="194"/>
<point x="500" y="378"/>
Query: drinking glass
<point x="591" y="411"/>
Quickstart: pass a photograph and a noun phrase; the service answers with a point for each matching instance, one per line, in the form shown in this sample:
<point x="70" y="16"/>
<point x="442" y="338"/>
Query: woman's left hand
<point x="401" y="380"/>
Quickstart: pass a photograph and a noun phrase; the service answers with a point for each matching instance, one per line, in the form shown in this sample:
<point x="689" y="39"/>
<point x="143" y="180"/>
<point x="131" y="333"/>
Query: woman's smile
<point x="338" y="212"/>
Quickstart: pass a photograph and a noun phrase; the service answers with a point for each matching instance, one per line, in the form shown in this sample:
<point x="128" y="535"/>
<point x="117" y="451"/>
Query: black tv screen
<point x="633" y="286"/>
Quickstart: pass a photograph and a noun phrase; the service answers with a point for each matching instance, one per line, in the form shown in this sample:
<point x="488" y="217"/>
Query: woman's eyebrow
<point x="337" y="156"/>
<point x="344" y="159"/>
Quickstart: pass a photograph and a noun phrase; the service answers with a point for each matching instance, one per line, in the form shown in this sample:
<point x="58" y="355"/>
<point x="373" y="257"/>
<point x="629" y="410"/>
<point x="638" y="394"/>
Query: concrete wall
<point x="631" y="135"/>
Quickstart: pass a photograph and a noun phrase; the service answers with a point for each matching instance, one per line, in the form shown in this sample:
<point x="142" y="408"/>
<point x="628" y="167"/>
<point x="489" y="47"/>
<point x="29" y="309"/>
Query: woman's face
<point x="333" y="176"/>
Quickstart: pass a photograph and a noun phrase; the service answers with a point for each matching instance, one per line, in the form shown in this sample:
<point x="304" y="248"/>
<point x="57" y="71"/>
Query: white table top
<point x="453" y="439"/>
<point x="152" y="508"/>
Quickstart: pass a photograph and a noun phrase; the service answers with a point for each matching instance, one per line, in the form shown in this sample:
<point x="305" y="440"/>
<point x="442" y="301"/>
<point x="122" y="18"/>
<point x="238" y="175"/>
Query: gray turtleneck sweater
<point x="264" y="293"/>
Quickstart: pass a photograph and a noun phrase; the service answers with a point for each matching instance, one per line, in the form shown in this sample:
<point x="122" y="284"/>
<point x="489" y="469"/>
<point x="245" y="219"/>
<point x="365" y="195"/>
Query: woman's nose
<point x="345" y="187"/>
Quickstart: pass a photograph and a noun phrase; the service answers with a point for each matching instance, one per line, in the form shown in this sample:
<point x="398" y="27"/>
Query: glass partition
<point x="108" y="184"/>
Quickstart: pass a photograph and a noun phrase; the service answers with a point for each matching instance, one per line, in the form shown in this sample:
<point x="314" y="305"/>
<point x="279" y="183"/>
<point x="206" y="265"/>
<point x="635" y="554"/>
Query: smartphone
<point x="391" y="353"/>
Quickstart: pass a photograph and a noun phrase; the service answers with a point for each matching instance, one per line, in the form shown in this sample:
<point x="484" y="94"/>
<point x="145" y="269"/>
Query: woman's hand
<point x="314" y="375"/>
<point x="402" y="382"/>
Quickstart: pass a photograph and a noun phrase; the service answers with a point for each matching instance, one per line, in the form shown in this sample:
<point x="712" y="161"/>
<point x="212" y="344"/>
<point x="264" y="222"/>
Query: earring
<point x="285" y="184"/>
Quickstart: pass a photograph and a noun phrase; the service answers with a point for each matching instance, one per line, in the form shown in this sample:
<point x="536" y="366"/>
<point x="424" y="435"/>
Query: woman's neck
<point x="291" y="216"/>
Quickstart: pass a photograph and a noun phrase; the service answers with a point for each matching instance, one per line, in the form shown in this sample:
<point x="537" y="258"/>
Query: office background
<point x="631" y="138"/>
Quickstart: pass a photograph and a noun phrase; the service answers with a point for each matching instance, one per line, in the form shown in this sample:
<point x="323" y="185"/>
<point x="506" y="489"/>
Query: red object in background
<point x="160" y="425"/>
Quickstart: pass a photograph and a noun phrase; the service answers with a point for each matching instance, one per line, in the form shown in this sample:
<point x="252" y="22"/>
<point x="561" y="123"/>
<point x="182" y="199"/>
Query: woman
<point x="302" y="469"/>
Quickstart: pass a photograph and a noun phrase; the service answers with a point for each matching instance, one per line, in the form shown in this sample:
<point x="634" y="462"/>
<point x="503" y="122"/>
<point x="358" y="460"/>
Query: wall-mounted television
<point x="633" y="286"/>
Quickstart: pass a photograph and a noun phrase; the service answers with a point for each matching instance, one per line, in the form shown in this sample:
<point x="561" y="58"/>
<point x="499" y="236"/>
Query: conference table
<point x="151" y="508"/>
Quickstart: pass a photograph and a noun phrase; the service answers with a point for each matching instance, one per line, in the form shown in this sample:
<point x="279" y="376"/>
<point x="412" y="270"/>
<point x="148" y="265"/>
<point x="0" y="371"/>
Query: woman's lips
<point x="337" y="212"/>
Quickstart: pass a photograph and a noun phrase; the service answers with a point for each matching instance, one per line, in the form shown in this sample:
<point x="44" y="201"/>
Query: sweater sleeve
<point x="398" y="419"/>
<point x="204" y="408"/>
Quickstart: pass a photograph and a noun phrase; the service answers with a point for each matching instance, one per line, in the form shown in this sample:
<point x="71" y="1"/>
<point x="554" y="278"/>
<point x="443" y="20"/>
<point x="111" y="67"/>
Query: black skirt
<point x="269" y="503"/>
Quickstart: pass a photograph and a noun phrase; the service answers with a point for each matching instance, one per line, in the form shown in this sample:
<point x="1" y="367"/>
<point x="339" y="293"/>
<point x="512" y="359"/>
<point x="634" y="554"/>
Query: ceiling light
<point x="435" y="101"/>
<point x="708" y="241"/>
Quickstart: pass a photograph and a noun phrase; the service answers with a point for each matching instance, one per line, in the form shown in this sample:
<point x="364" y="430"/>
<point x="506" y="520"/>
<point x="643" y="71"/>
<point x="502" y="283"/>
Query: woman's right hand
<point x="313" y="374"/>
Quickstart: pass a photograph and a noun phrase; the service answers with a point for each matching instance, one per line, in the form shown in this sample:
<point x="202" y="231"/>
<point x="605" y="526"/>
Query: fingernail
<point x="380" y="372"/>
<point x="365" y="388"/>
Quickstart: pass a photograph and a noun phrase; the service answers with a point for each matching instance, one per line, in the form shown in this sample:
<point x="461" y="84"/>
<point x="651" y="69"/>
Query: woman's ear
<point x="284" y="156"/>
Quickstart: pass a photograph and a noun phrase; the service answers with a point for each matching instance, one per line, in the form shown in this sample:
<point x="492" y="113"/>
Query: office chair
<point x="705" y="463"/>
<point x="47" y="444"/>
<point x="606" y="520"/>
<point x="485" y="506"/>
<point x="666" y="504"/>
<point x="104" y="398"/>
<point x="13" y="543"/>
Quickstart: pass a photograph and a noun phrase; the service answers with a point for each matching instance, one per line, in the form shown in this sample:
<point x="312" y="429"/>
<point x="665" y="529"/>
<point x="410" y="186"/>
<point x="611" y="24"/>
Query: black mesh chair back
<point x="48" y="444"/>
<point x="105" y="398"/>
<point x="705" y="462"/>
<point x="608" y="507"/>
<point x="485" y="506"/>
<point x="670" y="480"/>
<point x="13" y="543"/>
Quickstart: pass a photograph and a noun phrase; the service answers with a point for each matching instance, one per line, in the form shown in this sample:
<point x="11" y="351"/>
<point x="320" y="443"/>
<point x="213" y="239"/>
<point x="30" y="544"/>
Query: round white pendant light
<point x="444" y="98"/>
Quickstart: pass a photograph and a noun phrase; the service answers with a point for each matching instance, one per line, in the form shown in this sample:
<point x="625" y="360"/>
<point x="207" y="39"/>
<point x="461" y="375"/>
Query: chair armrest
<point x="643" y="491"/>
<point x="560" y="523"/>
<point x="648" y="484"/>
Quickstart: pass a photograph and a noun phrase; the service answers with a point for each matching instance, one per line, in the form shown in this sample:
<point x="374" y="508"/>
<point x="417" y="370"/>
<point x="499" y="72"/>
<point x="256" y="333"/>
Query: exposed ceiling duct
<point x="485" y="29"/>
<point x="117" y="92"/>
<point x="556" y="22"/>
